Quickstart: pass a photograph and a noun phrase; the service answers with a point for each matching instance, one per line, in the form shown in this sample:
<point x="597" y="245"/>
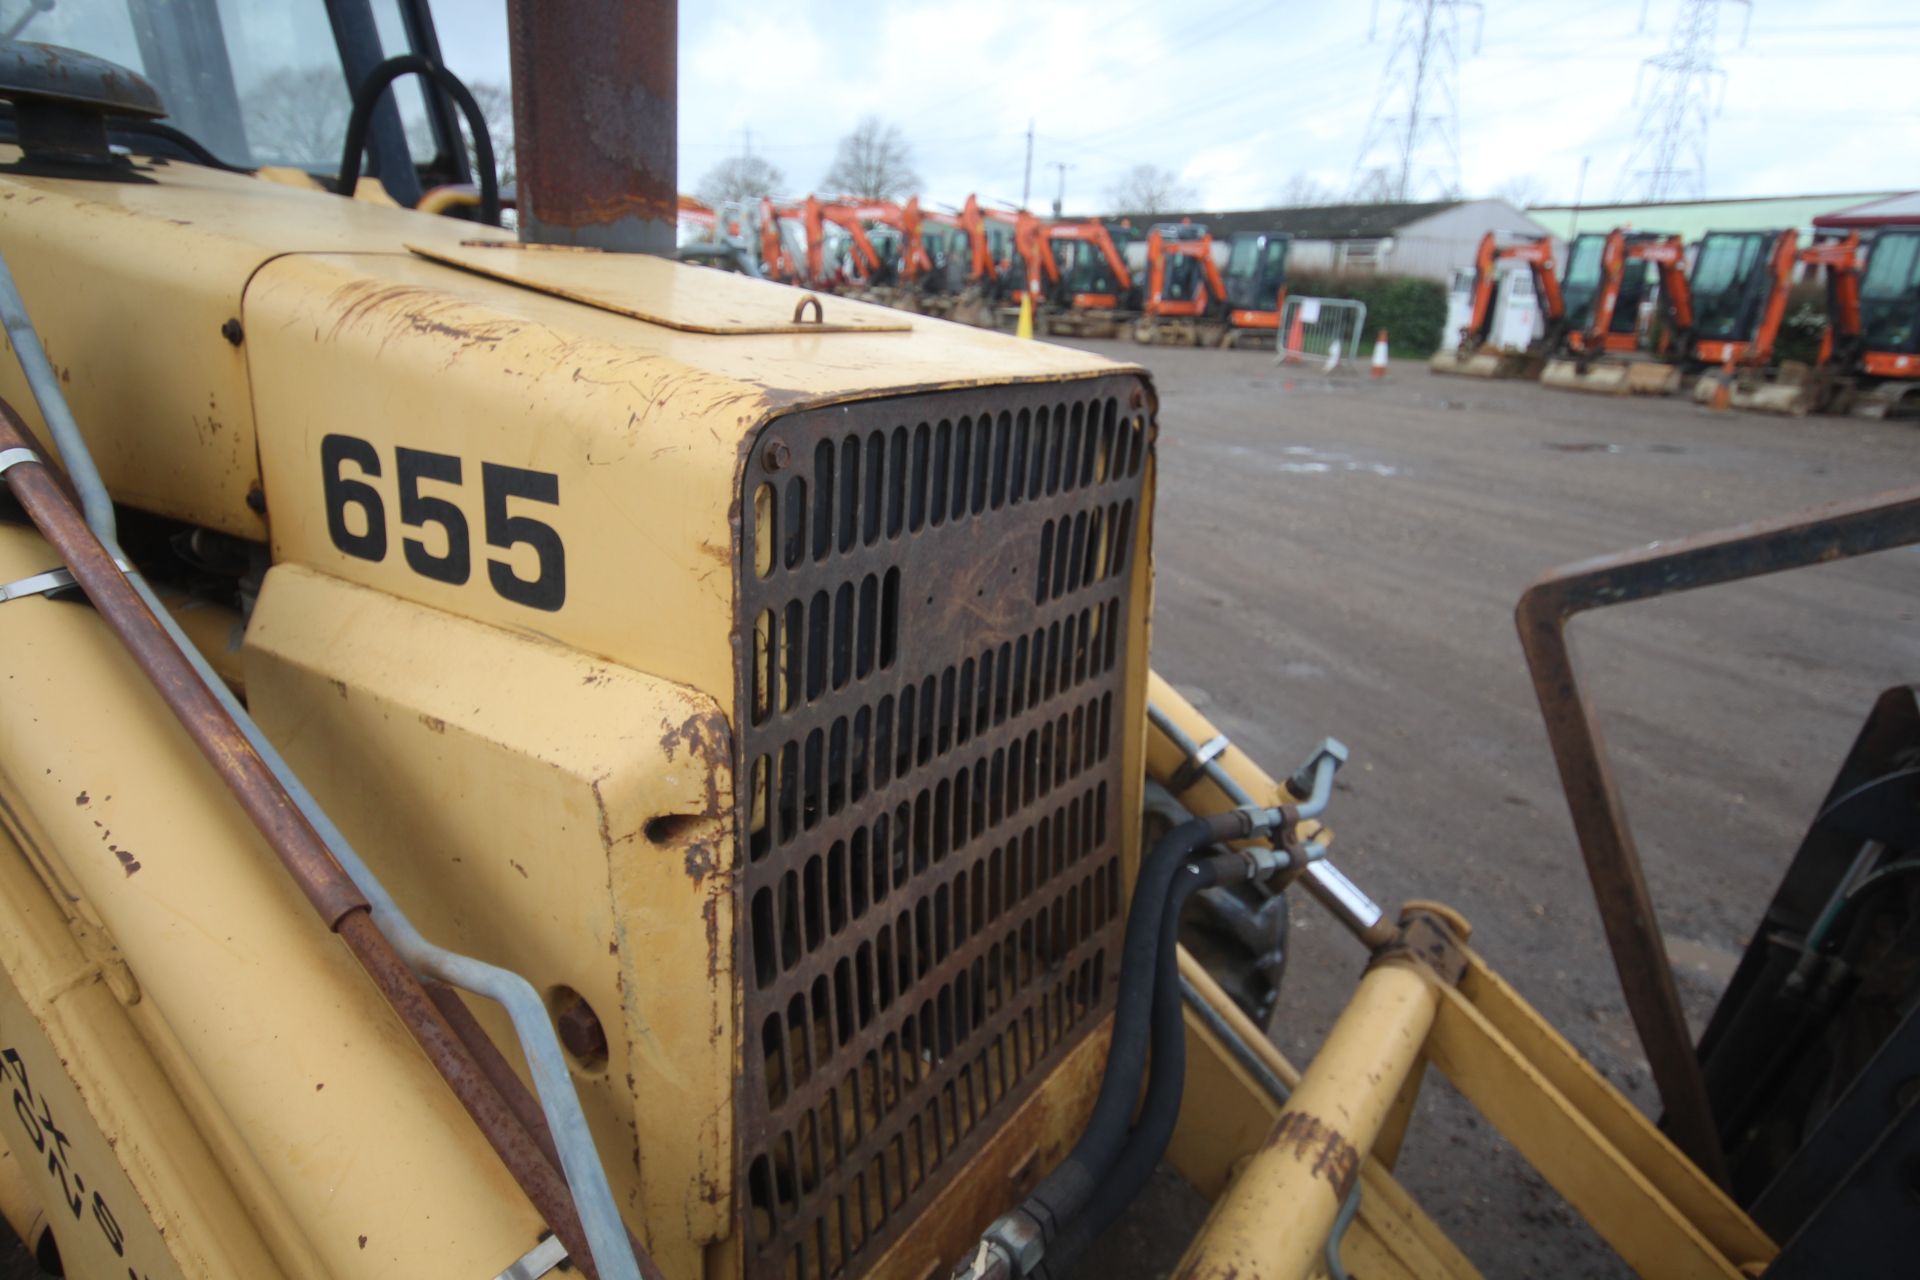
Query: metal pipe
<point x="333" y="896"/>
<point x="1330" y="888"/>
<point x="601" y="1223"/>
<point x="1237" y="1047"/>
<point x="595" y="86"/>
<point x="1276" y="1217"/>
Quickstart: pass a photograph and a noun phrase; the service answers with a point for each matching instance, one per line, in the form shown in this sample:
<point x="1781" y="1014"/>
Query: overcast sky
<point x="1238" y="96"/>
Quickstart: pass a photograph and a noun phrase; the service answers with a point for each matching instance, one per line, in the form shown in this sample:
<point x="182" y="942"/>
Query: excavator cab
<point x="1886" y="361"/>
<point x="1184" y="272"/>
<point x="1733" y="291"/>
<point x="1256" y="272"/>
<point x="1585" y="277"/>
<point x="1890" y="298"/>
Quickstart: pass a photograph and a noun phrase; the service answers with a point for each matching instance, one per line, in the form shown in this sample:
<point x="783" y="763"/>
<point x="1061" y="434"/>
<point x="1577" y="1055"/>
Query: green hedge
<point x="1411" y="310"/>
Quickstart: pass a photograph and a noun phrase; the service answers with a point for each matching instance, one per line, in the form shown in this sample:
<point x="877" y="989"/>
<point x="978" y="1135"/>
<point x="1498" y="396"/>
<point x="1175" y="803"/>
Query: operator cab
<point x="1730" y="284"/>
<point x="1256" y="270"/>
<point x="1580" y="286"/>
<point x="1182" y="276"/>
<point x="251" y="84"/>
<point x="1890" y="293"/>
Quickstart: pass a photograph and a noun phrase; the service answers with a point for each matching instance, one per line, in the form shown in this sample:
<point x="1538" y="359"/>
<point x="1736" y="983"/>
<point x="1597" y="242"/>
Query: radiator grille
<point x="937" y="590"/>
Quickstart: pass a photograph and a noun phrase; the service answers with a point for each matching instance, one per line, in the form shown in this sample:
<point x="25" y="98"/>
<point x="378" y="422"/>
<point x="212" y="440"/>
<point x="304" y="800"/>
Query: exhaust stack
<point x="595" y="87"/>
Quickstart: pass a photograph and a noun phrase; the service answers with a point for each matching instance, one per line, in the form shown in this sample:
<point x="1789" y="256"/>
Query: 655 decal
<point x="424" y="478"/>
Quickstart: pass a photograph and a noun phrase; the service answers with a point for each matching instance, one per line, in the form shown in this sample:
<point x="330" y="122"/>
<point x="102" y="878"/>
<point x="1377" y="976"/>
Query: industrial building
<point x="1430" y="239"/>
<point x="1691" y="219"/>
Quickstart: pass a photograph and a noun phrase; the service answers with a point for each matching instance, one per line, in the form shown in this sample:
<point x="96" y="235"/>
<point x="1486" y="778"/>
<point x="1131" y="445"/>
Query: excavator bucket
<point x="1793" y="391"/>
<point x="1486" y="363"/>
<point x="1613" y="377"/>
<point x="1887" y="400"/>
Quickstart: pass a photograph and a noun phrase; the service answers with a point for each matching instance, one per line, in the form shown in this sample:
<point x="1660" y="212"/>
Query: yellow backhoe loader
<point x="521" y="755"/>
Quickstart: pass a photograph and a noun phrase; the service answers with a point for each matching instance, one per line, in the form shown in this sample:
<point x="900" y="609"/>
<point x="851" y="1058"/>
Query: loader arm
<point x="1613" y="267"/>
<point x="1669" y="257"/>
<point x="1786" y="254"/>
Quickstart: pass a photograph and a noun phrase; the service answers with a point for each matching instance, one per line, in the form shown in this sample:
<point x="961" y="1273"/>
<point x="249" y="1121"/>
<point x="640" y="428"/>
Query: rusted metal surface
<point x="595" y="119"/>
<point x="493" y="1064"/>
<point x="934" y="592"/>
<point x="1822" y="534"/>
<point x="41" y="493"/>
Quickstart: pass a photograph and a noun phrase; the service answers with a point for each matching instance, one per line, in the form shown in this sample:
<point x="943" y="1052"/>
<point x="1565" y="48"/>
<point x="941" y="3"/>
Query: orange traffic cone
<point x="1722" y="398"/>
<point x="1379" y="369"/>
<point x="1296" y="340"/>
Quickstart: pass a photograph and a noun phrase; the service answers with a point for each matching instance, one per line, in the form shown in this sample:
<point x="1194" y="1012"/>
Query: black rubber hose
<point x="1147" y="1141"/>
<point x="1065" y="1191"/>
<point x="367" y="97"/>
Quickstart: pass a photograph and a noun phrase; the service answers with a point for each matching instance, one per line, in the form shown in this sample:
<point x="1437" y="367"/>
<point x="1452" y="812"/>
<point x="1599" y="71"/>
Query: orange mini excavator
<point x="1740" y="284"/>
<point x="958" y="275"/>
<point x="778" y="258"/>
<point x="851" y="264"/>
<point x="1476" y="355"/>
<point x="1882" y="356"/>
<point x="1187" y="301"/>
<point x="1605" y="350"/>
<point x="1869" y="357"/>
<point x="1091" y="293"/>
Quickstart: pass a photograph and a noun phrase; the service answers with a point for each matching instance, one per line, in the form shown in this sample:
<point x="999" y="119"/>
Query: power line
<point x="1416" y="115"/>
<point x="1669" y="156"/>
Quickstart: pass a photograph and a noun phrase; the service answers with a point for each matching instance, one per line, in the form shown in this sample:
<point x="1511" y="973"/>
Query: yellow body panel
<point x="130" y="285"/>
<point x="551" y="812"/>
<point x="340" y="1151"/>
<point x="546" y="784"/>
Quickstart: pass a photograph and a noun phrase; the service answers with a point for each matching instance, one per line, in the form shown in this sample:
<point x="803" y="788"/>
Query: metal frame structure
<point x="1599" y="816"/>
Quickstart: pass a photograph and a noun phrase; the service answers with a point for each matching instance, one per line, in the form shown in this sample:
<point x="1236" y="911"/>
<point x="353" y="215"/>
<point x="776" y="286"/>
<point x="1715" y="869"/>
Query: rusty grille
<point x="937" y="591"/>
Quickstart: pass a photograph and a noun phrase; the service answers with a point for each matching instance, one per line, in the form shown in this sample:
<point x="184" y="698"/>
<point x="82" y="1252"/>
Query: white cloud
<point x="1239" y="95"/>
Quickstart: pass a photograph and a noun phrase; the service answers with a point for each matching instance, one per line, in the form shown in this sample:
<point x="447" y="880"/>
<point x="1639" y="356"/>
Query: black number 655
<point x="499" y="484"/>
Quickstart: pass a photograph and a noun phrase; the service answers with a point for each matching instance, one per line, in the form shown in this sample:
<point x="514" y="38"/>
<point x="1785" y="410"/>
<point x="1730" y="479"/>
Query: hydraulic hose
<point x="1147" y="1141"/>
<point x="613" y="1255"/>
<point x="1064" y="1192"/>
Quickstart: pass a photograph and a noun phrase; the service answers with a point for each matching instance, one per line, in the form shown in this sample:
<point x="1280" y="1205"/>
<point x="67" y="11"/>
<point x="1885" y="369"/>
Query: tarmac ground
<point x="1341" y="555"/>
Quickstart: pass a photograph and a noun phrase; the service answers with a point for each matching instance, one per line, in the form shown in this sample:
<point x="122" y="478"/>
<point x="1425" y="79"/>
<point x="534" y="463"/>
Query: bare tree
<point x="495" y="101"/>
<point x="1147" y="188"/>
<point x="1522" y="190"/>
<point x="1303" y="190"/>
<point x="298" y="116"/>
<point x="874" y="162"/>
<point x="743" y="177"/>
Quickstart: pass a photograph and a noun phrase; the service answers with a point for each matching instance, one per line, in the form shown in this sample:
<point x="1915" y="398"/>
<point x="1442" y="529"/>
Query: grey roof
<point x="1313" y="222"/>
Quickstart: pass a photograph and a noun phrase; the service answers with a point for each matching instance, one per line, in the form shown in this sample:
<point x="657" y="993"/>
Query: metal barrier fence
<point x="1321" y="331"/>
